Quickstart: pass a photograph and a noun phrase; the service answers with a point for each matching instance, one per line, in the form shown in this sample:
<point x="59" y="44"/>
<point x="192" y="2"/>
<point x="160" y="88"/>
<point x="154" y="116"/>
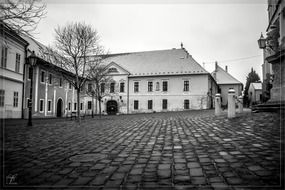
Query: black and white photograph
<point x="142" y="94"/>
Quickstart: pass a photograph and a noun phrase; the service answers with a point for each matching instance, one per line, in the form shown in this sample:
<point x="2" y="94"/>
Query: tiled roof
<point x="159" y="62"/>
<point x="256" y="85"/>
<point x="223" y="77"/>
<point x="34" y="45"/>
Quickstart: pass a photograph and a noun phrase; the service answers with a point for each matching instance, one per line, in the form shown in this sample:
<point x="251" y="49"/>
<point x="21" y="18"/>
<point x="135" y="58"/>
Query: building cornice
<point x="11" y="79"/>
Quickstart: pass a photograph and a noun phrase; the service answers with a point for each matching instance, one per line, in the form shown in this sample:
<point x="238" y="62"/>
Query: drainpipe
<point x="24" y="81"/>
<point x="128" y="94"/>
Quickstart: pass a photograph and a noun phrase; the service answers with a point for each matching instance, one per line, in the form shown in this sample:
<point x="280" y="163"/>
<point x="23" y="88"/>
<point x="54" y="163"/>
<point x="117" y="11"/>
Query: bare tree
<point x="22" y="16"/>
<point x="99" y="83"/>
<point x="74" y="43"/>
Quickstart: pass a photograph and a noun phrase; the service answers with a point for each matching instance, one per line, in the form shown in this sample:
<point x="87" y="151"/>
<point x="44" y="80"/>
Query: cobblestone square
<point x="163" y="150"/>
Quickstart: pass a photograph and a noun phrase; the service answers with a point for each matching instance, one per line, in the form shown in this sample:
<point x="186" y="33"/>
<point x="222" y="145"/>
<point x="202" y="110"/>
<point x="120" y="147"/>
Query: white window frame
<point x="41" y="100"/>
<point x="15" y="99"/>
<point x="17" y="62"/>
<point x="50" y="105"/>
<point x="138" y="89"/>
<point x="138" y="105"/>
<point x="3" y="98"/>
<point x="42" y="71"/>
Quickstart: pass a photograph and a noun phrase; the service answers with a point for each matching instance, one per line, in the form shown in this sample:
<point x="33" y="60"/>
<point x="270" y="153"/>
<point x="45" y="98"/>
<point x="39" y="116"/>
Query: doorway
<point x="112" y="107"/>
<point x="59" y="108"/>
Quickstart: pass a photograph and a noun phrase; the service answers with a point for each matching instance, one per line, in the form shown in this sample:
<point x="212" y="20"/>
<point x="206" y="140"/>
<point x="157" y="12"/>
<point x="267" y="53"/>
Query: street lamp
<point x="261" y="42"/>
<point x="32" y="59"/>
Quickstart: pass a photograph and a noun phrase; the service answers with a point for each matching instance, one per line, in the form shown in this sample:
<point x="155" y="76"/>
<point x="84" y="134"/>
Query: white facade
<point x="12" y="54"/>
<point x="226" y="82"/>
<point x="255" y="92"/>
<point x="160" y="91"/>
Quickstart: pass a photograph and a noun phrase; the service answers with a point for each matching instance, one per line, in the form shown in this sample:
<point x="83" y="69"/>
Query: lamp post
<point x="32" y="59"/>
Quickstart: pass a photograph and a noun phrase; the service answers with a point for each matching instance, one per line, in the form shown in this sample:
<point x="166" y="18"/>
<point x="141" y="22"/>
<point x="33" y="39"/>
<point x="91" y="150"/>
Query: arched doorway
<point x="59" y="108"/>
<point x="112" y="107"/>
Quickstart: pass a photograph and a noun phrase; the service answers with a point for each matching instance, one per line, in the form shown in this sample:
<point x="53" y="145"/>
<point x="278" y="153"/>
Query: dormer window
<point x="112" y="70"/>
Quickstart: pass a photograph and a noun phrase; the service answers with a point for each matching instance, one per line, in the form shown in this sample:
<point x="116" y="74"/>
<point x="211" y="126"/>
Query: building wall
<point x="43" y="91"/>
<point x="198" y="96"/>
<point x="11" y="80"/>
<point x="8" y="110"/>
<point x="254" y="94"/>
<point x="224" y="91"/>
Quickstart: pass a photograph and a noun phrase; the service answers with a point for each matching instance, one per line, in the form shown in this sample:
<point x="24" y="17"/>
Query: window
<point x="69" y="106"/>
<point x="122" y="87"/>
<point x="186" y="104"/>
<point x="30" y="75"/>
<point x="112" y="87"/>
<point x="42" y="76"/>
<point x="136" y="104"/>
<point x="2" y="97"/>
<point x="186" y="85"/>
<point x="27" y="102"/>
<point x="4" y="57"/>
<point x="136" y="86"/>
<point x="112" y="70"/>
<point x="75" y="106"/>
<point x="149" y="86"/>
<point x="41" y="105"/>
<point x="70" y="85"/>
<point x="89" y="105"/>
<point x="60" y="82"/>
<point x="102" y="88"/>
<point x="157" y="86"/>
<point x="164" y="104"/>
<point x="16" y="99"/>
<point x="49" y="105"/>
<point x="17" y="65"/>
<point x="89" y="88"/>
<point x="164" y="86"/>
<point x="149" y="104"/>
<point x="81" y="106"/>
<point x="50" y="79"/>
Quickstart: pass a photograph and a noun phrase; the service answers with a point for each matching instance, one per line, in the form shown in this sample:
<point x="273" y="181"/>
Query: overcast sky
<point x="211" y="30"/>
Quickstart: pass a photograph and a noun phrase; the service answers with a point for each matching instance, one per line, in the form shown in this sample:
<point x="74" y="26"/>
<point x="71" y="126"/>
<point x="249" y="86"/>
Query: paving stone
<point x="180" y="166"/>
<point x="234" y="181"/>
<point x="255" y="168"/>
<point x="98" y="167"/>
<point x="196" y="172"/>
<point x="193" y="165"/>
<point x="164" y="173"/>
<point x="164" y="166"/>
<point x="99" y="180"/>
<point x="198" y="180"/>
<point x="65" y="171"/>
<point x="82" y="181"/>
<point x="149" y="149"/>
<point x="181" y="178"/>
<point x="64" y="182"/>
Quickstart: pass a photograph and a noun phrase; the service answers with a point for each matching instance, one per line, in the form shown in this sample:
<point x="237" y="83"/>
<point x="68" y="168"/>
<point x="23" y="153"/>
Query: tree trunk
<point x="100" y="107"/>
<point x="93" y="106"/>
<point x="78" y="106"/>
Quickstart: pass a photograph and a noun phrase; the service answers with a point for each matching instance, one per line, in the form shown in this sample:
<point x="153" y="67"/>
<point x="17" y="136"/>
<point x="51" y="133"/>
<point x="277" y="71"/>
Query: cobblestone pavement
<point x="164" y="150"/>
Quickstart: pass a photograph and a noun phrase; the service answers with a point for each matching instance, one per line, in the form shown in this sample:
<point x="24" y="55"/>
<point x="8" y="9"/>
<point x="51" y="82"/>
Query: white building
<point x="226" y="81"/>
<point x="157" y="81"/>
<point x="13" y="54"/>
<point x="255" y="92"/>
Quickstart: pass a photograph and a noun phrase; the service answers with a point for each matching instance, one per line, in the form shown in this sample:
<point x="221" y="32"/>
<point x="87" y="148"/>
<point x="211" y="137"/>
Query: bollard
<point x="240" y="104"/>
<point x="231" y="104"/>
<point x="218" y="105"/>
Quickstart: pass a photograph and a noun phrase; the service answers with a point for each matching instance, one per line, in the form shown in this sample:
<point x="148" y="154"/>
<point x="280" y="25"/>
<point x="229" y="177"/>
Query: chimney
<point x="216" y="65"/>
<point x="226" y="68"/>
<point x="181" y="45"/>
